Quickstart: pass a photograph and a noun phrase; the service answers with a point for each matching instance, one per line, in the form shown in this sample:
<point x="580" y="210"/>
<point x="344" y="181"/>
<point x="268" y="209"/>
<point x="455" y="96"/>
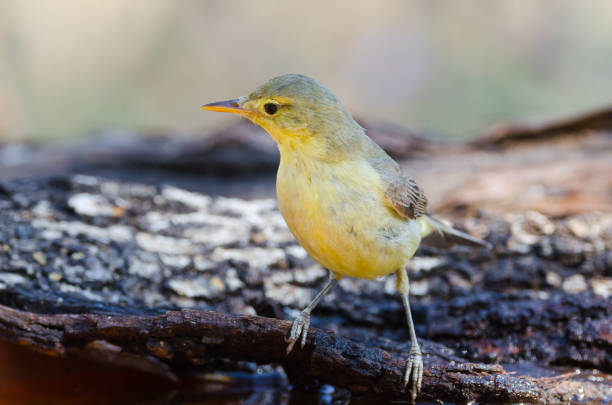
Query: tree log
<point x="197" y="337"/>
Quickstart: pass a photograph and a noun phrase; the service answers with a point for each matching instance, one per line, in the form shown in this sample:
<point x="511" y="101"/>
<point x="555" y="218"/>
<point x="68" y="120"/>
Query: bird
<point x="345" y="200"/>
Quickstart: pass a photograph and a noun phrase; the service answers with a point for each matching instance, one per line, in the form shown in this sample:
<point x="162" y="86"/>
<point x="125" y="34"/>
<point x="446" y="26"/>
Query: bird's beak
<point x="229" y="106"/>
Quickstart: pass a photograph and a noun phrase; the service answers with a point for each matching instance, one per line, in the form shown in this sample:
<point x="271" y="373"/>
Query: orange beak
<point x="228" y="106"/>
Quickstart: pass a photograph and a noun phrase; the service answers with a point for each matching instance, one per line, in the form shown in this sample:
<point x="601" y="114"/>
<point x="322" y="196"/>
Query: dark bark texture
<point x="192" y="337"/>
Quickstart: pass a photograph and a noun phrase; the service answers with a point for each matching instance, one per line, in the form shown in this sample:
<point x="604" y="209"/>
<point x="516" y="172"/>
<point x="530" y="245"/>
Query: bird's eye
<point x="271" y="108"/>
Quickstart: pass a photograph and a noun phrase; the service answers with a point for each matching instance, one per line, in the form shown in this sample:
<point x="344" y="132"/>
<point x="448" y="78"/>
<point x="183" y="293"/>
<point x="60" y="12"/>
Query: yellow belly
<point x="338" y="214"/>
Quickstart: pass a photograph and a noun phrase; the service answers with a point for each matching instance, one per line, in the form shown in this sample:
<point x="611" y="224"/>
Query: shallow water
<point x="31" y="378"/>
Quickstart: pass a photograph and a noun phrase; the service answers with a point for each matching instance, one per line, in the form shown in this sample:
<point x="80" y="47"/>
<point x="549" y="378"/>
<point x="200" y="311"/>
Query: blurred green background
<point x="70" y="67"/>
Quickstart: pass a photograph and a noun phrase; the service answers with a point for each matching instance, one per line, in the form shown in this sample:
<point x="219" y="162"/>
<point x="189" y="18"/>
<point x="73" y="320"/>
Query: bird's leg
<point x="414" y="364"/>
<point x="301" y="323"/>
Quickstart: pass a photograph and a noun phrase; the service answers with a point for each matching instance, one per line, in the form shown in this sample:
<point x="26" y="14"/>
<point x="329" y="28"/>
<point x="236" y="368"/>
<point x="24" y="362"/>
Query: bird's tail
<point x="435" y="233"/>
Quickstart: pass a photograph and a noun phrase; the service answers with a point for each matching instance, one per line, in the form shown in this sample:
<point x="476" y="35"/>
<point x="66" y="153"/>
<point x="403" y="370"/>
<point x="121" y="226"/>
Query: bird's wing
<point x="409" y="201"/>
<point x="401" y="191"/>
<point x="406" y="197"/>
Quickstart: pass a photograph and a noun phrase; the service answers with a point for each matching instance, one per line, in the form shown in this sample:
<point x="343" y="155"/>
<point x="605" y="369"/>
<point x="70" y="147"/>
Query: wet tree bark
<point x="193" y="337"/>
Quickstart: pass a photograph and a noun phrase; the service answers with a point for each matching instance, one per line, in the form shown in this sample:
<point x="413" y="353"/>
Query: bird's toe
<point x="299" y="328"/>
<point x="414" y="373"/>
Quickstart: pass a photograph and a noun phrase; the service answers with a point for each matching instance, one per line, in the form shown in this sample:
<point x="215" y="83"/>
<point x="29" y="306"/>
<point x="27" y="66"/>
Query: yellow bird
<point x="344" y="199"/>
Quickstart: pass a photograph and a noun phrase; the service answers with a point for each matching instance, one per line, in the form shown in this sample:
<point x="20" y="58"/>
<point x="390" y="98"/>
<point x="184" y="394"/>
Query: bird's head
<point x="294" y="110"/>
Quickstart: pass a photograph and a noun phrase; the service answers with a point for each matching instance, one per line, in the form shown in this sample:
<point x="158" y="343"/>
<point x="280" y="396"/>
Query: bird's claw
<point x="414" y="372"/>
<point x="299" y="328"/>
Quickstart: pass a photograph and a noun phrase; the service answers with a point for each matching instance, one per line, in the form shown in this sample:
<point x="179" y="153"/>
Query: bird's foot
<point x="299" y="328"/>
<point x="414" y="371"/>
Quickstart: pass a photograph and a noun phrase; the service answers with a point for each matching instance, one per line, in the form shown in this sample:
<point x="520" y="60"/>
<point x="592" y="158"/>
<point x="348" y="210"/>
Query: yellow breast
<point x="338" y="214"/>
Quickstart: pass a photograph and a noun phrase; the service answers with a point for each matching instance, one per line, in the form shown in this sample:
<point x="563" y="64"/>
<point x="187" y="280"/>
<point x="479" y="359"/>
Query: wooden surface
<point x="196" y="337"/>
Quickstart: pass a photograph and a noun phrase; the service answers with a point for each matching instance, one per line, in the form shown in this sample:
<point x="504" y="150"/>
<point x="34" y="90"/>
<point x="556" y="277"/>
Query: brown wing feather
<point x="406" y="197"/>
